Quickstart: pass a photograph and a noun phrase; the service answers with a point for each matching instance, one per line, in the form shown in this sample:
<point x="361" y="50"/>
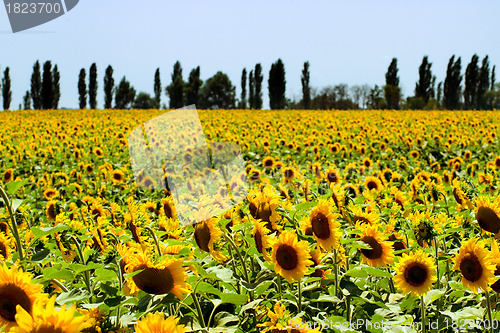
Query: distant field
<point x="352" y="216"/>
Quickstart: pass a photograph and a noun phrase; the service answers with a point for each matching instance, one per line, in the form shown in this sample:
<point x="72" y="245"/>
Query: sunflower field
<point x="355" y="221"/>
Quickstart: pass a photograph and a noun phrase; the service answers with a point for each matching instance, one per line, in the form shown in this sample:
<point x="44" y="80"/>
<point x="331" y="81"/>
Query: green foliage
<point x="193" y="87"/>
<point x="82" y="89"/>
<point x="56" y="77"/>
<point x="452" y="84"/>
<point x="175" y="90"/>
<point x="93" y="86"/>
<point x="375" y="99"/>
<point x="424" y="87"/>
<point x="36" y="86"/>
<point x="144" y="101"/>
<point x="251" y="88"/>
<point x="157" y="88"/>
<point x="109" y="84"/>
<point x="27" y="101"/>
<point x="306" y="89"/>
<point x="218" y="93"/>
<point x="471" y="83"/>
<point x="483" y="84"/>
<point x="392" y="92"/>
<point x="125" y="94"/>
<point x="277" y="85"/>
<point x="243" y="98"/>
<point x="6" y="92"/>
<point x="258" y="77"/>
<point x="47" y="86"/>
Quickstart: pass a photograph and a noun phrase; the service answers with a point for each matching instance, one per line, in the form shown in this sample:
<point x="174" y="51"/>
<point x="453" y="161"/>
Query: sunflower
<point x="8" y="176"/>
<point x="5" y="247"/>
<point x="290" y="256"/>
<point x="51" y="210"/>
<point x="333" y="176"/>
<point x="206" y="235"/>
<point x="268" y="162"/>
<point x="381" y="252"/>
<point x="289" y="174"/>
<point x="488" y="214"/>
<point x="167" y="276"/>
<point x="373" y="183"/>
<point x="367" y="163"/>
<point x="324" y="225"/>
<point x="262" y="239"/>
<point x="475" y="265"/>
<point x="50" y="193"/>
<point x="263" y="206"/>
<point x="363" y="216"/>
<point x="117" y="176"/>
<point x="45" y="318"/>
<point x="282" y="321"/>
<point x="16" y="289"/>
<point x="169" y="208"/>
<point x="415" y="273"/>
<point x="156" y="322"/>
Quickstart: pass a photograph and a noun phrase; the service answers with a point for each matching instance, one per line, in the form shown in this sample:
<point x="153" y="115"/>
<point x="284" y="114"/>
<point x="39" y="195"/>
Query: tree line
<point x="474" y="89"/>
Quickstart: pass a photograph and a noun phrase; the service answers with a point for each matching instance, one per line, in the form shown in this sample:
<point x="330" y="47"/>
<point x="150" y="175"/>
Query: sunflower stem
<point x="391" y="282"/>
<point x="245" y="271"/>
<point x="201" y="320"/>
<point x="82" y="258"/>
<point x="336" y="271"/>
<point x="155" y="240"/>
<point x="422" y="309"/>
<point x="488" y="306"/>
<point x="13" y="222"/>
<point x="299" y="302"/>
<point x="60" y="285"/>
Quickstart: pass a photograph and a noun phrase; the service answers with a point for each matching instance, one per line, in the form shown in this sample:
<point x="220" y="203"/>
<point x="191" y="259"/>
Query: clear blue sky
<point x="349" y="42"/>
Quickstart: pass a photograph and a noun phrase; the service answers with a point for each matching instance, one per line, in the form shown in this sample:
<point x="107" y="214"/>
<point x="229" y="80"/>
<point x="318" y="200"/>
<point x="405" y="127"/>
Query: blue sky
<point x="349" y="42"/>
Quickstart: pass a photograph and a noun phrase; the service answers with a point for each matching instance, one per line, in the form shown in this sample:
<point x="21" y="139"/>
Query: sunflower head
<point x="380" y="252"/>
<point x="324" y="225"/>
<point x="488" y="214"/>
<point x="290" y="256"/>
<point x="167" y="276"/>
<point x="415" y="273"/>
<point x="157" y="322"/>
<point x="475" y="265"/>
<point x="16" y="291"/>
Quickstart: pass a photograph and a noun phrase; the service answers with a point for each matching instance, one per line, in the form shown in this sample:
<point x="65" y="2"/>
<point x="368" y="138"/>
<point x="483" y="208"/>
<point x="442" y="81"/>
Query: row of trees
<point x="479" y="90"/>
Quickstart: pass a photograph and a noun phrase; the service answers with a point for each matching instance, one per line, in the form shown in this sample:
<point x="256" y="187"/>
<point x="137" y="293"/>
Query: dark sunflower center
<point x="51" y="211"/>
<point x="457" y="197"/>
<point x="400" y="203"/>
<point x="320" y="226"/>
<point x="372" y="185"/>
<point x="154" y="281"/>
<point x="287" y="258"/>
<point x="202" y="237"/>
<point x="471" y="268"/>
<point x="253" y="210"/>
<point x="258" y="241"/>
<point x="332" y="177"/>
<point x="48" y="329"/>
<point x="11" y="296"/>
<point x="3" y="250"/>
<point x="168" y="210"/>
<point x="265" y="215"/>
<point x="288" y="173"/>
<point x="416" y="274"/>
<point x="488" y="219"/>
<point x="117" y="176"/>
<point x="268" y="163"/>
<point x="375" y="252"/>
<point x="496" y="286"/>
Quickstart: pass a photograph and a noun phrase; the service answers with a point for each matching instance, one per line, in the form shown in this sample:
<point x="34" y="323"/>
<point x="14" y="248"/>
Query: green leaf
<point x="40" y="255"/>
<point x="16" y="203"/>
<point x="224" y="274"/>
<point x="433" y="295"/>
<point x="360" y="245"/>
<point x="357" y="272"/>
<point x="12" y="187"/>
<point x="204" y="287"/>
<point x="104" y="274"/>
<point x="305" y="205"/>
<point x="40" y="232"/>
<point x="234" y="298"/>
<point x="376" y="272"/>
<point x="328" y="298"/>
<point x="55" y="273"/>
